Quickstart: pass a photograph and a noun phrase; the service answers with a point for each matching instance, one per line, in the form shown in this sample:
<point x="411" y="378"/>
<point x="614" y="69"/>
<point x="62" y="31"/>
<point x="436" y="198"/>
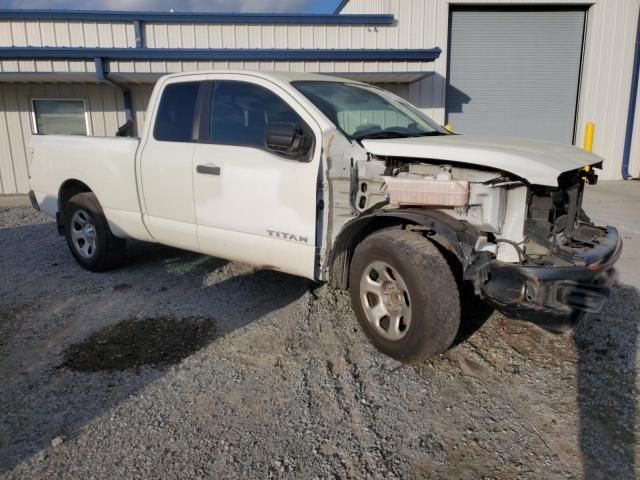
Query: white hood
<point x="540" y="163"/>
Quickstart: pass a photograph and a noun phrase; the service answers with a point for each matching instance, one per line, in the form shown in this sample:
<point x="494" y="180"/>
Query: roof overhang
<point x="288" y="54"/>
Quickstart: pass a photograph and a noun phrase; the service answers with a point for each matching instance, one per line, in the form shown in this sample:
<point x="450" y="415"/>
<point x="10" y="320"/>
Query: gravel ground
<point x="183" y="366"/>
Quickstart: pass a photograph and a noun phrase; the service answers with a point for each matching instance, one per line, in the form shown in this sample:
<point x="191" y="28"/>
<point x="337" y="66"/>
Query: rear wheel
<point x="404" y="295"/>
<point x="88" y="235"/>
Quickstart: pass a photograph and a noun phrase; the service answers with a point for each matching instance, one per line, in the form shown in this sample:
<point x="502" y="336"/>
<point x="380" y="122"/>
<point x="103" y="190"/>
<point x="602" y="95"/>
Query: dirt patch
<point x="132" y="343"/>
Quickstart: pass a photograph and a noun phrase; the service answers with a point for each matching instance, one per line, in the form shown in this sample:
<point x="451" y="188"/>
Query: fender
<point x="459" y="236"/>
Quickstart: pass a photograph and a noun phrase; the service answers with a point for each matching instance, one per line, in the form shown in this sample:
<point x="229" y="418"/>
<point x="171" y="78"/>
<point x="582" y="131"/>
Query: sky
<point x="278" y="6"/>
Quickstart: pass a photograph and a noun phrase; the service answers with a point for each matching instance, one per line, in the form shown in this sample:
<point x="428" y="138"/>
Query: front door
<point x="253" y="205"/>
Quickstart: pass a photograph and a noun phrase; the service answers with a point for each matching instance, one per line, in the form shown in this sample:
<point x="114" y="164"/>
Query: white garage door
<point x="515" y="72"/>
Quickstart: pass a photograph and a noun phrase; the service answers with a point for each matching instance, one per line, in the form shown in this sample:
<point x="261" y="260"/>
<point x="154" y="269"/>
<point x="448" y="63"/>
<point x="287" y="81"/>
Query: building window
<point x="59" y="116"/>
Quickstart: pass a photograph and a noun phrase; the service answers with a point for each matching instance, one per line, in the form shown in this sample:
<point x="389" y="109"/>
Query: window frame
<point x="34" y="123"/>
<point x="203" y="118"/>
<point x="196" y="111"/>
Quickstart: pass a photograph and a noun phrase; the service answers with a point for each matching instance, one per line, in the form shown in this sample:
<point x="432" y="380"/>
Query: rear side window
<point x="174" y="121"/>
<point x="240" y="112"/>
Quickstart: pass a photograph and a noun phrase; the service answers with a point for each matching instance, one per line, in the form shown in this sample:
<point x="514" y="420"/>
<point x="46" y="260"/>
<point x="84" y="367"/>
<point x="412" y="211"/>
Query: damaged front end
<point x="565" y="266"/>
<point x="509" y="210"/>
<point x="529" y="250"/>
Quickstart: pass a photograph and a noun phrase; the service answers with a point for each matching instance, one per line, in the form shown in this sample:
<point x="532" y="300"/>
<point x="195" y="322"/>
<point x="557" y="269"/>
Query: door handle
<point x="208" y="170"/>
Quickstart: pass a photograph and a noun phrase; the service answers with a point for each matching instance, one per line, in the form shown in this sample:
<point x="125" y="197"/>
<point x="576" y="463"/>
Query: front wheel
<point x="88" y="235"/>
<point x="404" y="295"/>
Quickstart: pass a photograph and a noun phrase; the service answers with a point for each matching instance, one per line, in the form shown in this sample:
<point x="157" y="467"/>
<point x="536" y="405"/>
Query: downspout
<point x="103" y="76"/>
<point x="632" y="108"/>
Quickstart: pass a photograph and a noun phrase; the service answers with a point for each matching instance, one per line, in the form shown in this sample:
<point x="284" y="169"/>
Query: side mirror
<point x="286" y="139"/>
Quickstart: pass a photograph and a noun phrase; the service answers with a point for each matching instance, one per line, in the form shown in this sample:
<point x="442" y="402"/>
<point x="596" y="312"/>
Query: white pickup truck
<point x="341" y="182"/>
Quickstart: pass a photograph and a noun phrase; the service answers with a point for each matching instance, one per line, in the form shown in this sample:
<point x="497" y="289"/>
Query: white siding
<point x="140" y="96"/>
<point x="104" y="104"/>
<point x="59" y="33"/>
<point x="47" y="66"/>
<point x="163" y="35"/>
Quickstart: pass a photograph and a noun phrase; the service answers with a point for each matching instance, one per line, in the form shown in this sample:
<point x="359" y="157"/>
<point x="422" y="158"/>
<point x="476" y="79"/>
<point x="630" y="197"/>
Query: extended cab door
<point x="253" y="205"/>
<point x="165" y="178"/>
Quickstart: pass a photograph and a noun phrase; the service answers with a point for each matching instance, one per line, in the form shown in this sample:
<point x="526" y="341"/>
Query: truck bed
<point x="107" y="165"/>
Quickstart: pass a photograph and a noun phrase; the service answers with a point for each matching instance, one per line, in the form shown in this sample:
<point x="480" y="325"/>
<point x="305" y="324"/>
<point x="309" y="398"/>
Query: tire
<point x="88" y="235"/>
<point x="402" y="276"/>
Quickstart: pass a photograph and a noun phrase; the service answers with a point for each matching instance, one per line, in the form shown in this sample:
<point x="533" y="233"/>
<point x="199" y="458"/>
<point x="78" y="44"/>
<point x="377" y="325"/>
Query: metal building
<point x="540" y="69"/>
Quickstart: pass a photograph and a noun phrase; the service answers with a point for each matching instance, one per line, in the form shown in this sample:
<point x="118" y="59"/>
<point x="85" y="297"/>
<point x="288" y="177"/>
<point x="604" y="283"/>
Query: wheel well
<point x="350" y="238"/>
<point x="346" y="243"/>
<point x="67" y="190"/>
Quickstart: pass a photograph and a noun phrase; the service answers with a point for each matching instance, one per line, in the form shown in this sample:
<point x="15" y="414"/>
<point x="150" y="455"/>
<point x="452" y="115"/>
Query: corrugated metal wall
<point x="163" y="35"/>
<point x="47" y="66"/>
<point x="58" y="33"/>
<point x="21" y="33"/>
<point x="606" y="74"/>
<point x="104" y="104"/>
<point x="140" y="96"/>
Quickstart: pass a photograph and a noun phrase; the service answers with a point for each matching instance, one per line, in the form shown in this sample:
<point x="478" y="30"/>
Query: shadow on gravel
<point x="153" y="312"/>
<point x="474" y="313"/>
<point x="606" y="346"/>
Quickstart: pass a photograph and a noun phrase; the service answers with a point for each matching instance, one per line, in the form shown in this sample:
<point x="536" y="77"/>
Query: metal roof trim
<point x="424" y="55"/>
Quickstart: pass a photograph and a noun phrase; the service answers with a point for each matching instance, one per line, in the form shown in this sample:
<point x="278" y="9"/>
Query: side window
<point x="174" y="121"/>
<point x="240" y="112"/>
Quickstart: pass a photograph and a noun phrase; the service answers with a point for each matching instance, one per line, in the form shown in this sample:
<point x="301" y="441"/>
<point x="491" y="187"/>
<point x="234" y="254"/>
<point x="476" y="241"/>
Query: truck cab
<point x="341" y="182"/>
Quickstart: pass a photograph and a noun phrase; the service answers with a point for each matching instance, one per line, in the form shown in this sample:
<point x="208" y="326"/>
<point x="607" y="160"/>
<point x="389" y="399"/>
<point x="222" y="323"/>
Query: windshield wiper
<point x="435" y="133"/>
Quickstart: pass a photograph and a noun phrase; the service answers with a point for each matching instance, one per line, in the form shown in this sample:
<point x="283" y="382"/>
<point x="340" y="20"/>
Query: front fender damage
<point x="456" y="236"/>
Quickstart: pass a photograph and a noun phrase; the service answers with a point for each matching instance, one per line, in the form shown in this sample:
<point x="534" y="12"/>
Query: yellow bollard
<point x="449" y="127"/>
<point x="588" y="136"/>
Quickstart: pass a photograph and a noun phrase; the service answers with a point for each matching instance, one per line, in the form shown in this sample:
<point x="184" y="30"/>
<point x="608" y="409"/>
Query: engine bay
<point x="515" y="222"/>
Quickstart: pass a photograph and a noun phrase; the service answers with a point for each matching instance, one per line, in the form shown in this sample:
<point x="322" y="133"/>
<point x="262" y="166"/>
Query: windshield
<point x="363" y="111"/>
